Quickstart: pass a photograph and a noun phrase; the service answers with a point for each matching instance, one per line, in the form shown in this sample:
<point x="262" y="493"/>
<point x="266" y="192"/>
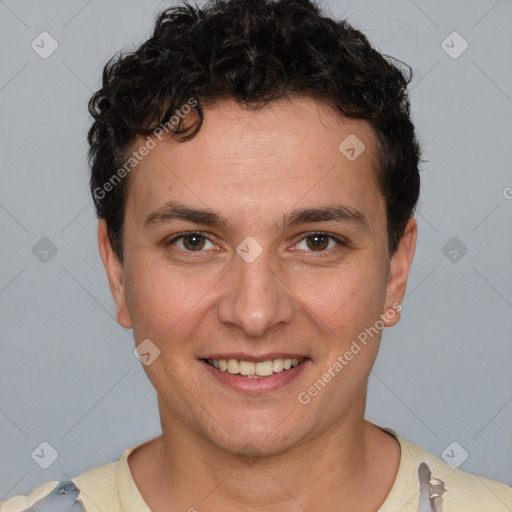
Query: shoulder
<point x="92" y="491"/>
<point x="445" y="488"/>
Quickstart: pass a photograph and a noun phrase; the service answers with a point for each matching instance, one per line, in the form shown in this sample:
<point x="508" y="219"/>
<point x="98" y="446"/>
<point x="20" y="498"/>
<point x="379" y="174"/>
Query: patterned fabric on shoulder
<point x="63" y="498"/>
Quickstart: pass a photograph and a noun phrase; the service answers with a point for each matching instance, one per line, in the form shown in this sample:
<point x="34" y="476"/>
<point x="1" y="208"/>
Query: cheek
<point x="161" y="298"/>
<point x="346" y="298"/>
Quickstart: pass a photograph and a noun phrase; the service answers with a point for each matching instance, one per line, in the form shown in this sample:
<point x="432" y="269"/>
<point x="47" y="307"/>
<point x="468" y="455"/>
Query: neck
<point x="353" y="463"/>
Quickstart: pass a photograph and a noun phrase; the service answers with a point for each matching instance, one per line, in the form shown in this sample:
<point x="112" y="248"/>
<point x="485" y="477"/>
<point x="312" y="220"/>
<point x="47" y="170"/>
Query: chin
<point x="256" y="438"/>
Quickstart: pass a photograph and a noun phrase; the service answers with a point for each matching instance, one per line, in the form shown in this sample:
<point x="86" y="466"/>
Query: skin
<point x="253" y="167"/>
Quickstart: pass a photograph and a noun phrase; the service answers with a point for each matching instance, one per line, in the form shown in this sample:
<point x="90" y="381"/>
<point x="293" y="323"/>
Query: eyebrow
<point x="174" y="210"/>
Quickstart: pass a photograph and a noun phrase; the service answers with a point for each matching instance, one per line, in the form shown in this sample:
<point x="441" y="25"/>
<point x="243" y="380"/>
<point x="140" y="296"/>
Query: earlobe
<point x="115" y="274"/>
<point x="400" y="265"/>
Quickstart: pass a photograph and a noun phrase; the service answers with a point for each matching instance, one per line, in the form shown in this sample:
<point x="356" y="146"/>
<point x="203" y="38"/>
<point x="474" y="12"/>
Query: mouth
<point x="255" y="369"/>
<point x="255" y="376"/>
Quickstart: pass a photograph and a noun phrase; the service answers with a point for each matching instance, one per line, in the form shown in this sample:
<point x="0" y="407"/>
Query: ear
<point x="399" y="272"/>
<point x="114" y="269"/>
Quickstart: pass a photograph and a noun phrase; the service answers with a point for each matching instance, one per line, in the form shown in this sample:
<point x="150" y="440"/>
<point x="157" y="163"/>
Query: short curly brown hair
<point x="253" y="51"/>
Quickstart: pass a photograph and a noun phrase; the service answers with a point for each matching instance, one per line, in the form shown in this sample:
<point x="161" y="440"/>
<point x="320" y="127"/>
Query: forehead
<point x="288" y="152"/>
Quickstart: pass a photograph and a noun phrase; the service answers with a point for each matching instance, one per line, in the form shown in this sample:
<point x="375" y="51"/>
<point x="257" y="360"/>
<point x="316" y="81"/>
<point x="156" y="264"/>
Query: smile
<point x="253" y="369"/>
<point x="258" y="376"/>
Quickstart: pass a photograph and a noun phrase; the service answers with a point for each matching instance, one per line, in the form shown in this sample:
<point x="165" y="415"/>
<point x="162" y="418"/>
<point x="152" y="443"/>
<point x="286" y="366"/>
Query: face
<point x="258" y="241"/>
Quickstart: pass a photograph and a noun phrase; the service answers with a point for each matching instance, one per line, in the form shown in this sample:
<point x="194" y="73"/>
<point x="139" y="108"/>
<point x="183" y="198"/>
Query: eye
<point x="320" y="242"/>
<point x="191" y="242"/>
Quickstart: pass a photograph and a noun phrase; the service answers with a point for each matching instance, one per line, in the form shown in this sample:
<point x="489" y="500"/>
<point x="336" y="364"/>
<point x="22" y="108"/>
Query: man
<point x="255" y="173"/>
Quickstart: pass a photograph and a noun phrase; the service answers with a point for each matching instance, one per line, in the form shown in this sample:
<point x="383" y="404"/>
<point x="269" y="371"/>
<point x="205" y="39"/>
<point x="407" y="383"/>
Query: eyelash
<point x="339" y="241"/>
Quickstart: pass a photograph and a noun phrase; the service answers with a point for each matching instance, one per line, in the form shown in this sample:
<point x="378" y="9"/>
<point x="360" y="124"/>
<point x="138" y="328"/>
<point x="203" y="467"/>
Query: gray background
<point x="68" y="374"/>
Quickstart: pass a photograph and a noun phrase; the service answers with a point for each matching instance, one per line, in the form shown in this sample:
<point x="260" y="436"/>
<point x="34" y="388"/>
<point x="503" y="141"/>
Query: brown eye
<point x="320" y="242"/>
<point x="317" y="242"/>
<point x="193" y="242"/>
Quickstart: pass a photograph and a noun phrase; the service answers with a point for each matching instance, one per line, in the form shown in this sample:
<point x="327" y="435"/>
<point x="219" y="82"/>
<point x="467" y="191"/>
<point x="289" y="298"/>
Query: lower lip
<point x="256" y="386"/>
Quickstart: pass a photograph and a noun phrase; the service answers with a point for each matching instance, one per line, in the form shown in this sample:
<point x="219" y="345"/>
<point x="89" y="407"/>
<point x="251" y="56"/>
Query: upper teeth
<point x="263" y="368"/>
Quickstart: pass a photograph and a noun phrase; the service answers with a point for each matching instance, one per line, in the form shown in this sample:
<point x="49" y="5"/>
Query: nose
<point x="255" y="298"/>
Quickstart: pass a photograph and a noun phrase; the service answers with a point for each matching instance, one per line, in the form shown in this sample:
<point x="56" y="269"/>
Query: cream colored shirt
<point x="111" y="488"/>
